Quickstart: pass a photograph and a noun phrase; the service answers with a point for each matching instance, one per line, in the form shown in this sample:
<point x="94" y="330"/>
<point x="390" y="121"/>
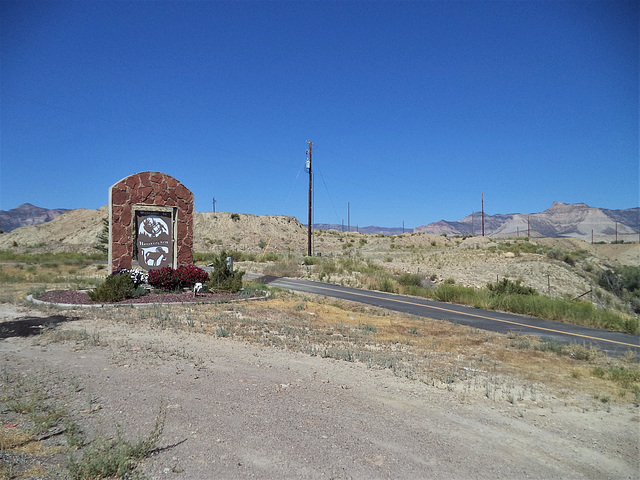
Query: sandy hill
<point x="247" y="233"/>
<point x="78" y="231"/>
<point x="470" y="261"/>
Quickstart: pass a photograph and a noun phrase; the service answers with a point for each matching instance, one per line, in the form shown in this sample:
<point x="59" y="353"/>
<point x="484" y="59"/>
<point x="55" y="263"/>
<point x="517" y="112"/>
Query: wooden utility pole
<point x="483" y="214"/>
<point x="310" y="200"/>
<point x="214" y="204"/>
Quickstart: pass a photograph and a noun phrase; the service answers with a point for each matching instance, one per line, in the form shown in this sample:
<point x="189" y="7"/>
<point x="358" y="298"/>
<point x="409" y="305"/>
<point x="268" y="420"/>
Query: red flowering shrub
<point x="167" y="278"/>
<point x="164" y="278"/>
<point x="189" y="275"/>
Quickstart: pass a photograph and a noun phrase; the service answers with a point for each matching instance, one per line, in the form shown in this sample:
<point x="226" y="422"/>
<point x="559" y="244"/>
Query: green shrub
<point x="547" y="345"/>
<point x="387" y="285"/>
<point x="115" y="288"/>
<point x="311" y="260"/>
<point x="269" y="257"/>
<point x="569" y="259"/>
<point x="555" y="253"/>
<point x="455" y="294"/>
<point x="630" y="277"/>
<point x="624" y="282"/>
<point x="407" y="279"/>
<point x="507" y="287"/>
<point x="236" y="255"/>
<point x="609" y="280"/>
<point x="223" y="278"/>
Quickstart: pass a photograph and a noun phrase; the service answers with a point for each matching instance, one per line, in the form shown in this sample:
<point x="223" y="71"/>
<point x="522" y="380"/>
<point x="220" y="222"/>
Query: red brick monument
<point x="150" y="222"/>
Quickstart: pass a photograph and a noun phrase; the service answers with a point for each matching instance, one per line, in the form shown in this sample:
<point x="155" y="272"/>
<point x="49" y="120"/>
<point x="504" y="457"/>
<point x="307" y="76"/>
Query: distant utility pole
<point x="310" y="200"/>
<point x="214" y="204"/>
<point x="348" y="216"/>
<point x="529" y="226"/>
<point x="483" y="214"/>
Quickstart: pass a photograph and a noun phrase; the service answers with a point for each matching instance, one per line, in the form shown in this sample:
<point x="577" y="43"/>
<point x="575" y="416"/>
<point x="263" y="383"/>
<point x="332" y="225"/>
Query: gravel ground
<point x="236" y="410"/>
<point x="77" y="297"/>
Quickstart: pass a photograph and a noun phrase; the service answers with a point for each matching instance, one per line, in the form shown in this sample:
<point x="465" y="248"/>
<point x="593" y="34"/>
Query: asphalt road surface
<point x="613" y="343"/>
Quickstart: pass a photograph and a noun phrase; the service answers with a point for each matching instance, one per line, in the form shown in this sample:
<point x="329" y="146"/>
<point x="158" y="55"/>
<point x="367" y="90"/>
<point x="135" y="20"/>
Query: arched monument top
<point x="150" y="222"/>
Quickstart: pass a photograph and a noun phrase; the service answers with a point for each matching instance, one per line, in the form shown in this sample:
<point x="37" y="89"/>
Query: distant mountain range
<point x="372" y="230"/>
<point x="560" y="220"/>
<point x="27" y="214"/>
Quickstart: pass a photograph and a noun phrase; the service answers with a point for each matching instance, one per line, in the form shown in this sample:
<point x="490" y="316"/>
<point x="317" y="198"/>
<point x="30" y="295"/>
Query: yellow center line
<point x="468" y="314"/>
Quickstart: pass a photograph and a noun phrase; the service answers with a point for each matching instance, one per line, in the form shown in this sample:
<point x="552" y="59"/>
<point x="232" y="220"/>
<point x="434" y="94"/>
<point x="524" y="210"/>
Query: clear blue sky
<point x="414" y="108"/>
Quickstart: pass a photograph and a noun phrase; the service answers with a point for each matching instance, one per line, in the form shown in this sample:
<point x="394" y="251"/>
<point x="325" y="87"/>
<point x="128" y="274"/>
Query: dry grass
<point x="458" y="358"/>
<point x="473" y="365"/>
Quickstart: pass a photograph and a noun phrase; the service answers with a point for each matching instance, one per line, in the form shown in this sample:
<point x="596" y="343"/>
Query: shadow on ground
<point x="30" y="326"/>
<point x="266" y="279"/>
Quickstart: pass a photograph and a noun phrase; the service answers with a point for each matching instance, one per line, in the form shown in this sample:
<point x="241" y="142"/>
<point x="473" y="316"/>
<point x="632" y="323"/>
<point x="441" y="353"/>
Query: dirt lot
<point x="248" y="393"/>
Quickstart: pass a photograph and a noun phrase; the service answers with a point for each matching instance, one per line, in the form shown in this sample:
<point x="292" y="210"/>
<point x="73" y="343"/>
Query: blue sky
<point x="414" y="108"/>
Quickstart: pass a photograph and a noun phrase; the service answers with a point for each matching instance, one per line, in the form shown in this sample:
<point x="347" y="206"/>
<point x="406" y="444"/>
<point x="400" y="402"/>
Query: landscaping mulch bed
<point x="77" y="297"/>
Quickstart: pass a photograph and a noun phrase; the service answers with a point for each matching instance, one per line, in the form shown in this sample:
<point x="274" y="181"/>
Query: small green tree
<point x="223" y="278"/>
<point x="103" y="237"/>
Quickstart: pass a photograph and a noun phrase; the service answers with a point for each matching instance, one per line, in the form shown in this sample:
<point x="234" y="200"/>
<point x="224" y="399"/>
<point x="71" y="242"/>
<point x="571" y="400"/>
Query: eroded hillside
<point x="468" y="261"/>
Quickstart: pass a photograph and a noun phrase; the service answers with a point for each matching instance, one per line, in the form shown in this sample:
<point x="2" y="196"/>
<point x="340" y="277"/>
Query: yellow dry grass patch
<point x="18" y="440"/>
<point x="447" y="346"/>
<point x="13" y="438"/>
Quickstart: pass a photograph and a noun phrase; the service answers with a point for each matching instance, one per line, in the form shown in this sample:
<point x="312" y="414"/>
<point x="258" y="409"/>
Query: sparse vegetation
<point x="223" y="278"/>
<point x="117" y="457"/>
<point x="624" y="282"/>
<point x="512" y="373"/>
<point x="410" y="279"/>
<point x="49" y="259"/>
<point x="507" y="287"/>
<point x="38" y="408"/>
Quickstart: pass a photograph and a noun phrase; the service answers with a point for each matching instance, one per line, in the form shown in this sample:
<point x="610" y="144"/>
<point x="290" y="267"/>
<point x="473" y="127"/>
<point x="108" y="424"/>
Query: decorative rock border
<point x="149" y="304"/>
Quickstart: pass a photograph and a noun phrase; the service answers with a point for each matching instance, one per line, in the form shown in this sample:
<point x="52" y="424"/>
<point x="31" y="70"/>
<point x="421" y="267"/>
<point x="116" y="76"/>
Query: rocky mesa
<point x="560" y="220"/>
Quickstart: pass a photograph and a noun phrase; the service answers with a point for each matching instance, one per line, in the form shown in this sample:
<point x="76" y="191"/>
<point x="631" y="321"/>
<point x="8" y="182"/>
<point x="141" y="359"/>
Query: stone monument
<point x="150" y="222"/>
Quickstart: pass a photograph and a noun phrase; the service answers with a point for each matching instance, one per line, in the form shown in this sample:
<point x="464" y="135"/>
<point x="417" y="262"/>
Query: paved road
<point x="613" y="343"/>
